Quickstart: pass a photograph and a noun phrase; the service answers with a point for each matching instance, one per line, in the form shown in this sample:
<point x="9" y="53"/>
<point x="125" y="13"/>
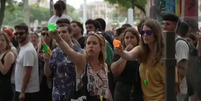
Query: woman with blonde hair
<point x="91" y="69"/>
<point x="34" y="38"/>
<point x="150" y="54"/>
<point x="7" y="64"/>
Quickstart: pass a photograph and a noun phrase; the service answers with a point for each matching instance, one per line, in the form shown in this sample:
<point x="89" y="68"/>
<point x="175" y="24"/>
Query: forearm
<point x="73" y="56"/>
<point x="110" y="98"/>
<point x="25" y="82"/>
<point x="199" y="47"/>
<point x="47" y="70"/>
<point x="183" y="67"/>
<point x="118" y="66"/>
<point x="2" y="69"/>
<point x="177" y="88"/>
<point x="126" y="55"/>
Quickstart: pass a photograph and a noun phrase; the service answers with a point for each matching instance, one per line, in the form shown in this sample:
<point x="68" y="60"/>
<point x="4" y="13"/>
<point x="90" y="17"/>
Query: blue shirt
<point x="64" y="75"/>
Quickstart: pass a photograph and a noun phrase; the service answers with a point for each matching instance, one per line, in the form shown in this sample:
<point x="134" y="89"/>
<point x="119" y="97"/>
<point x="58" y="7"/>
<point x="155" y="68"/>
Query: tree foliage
<point x="36" y="13"/>
<point x="73" y="13"/>
<point x="5" y="4"/>
<point x="15" y="17"/>
<point x="130" y="3"/>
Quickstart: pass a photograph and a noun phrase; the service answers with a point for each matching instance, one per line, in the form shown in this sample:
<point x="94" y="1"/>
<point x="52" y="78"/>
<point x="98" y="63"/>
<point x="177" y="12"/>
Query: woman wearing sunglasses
<point x="150" y="54"/>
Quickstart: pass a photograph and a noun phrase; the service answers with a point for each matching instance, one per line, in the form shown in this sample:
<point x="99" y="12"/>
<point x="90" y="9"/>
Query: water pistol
<point x="52" y="27"/>
<point x="116" y="43"/>
<point x="46" y="48"/>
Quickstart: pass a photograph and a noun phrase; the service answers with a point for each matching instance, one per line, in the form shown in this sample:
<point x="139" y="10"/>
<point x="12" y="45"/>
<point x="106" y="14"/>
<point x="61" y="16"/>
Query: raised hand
<point x="118" y="50"/>
<point x="46" y="57"/>
<point x="129" y="47"/>
<point x="55" y="35"/>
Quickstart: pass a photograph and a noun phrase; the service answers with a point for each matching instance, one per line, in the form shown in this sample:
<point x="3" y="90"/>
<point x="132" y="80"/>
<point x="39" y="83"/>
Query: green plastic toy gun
<point x="52" y="27"/>
<point x="46" y="48"/>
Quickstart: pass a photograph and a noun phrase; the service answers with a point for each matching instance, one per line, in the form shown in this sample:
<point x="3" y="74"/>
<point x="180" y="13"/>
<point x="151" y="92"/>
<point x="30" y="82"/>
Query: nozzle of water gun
<point x="117" y="43"/>
<point x="43" y="43"/>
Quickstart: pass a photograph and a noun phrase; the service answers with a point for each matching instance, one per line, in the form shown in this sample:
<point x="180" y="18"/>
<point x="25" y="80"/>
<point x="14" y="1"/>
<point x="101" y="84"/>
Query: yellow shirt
<point x="154" y="90"/>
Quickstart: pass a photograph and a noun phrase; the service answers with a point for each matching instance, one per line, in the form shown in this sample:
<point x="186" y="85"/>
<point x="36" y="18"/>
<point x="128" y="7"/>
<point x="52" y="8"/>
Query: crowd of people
<point x="90" y="68"/>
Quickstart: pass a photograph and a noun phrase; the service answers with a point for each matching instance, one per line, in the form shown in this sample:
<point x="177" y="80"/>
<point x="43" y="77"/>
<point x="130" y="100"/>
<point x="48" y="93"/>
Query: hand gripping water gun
<point x="46" y="48"/>
<point x="117" y="43"/>
<point x="52" y="27"/>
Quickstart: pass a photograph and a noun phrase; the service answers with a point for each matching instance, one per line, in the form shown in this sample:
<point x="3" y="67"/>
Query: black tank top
<point x="5" y="80"/>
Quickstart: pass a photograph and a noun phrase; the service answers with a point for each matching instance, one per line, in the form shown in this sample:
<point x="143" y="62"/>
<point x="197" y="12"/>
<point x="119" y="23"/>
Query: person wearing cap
<point x="60" y="12"/>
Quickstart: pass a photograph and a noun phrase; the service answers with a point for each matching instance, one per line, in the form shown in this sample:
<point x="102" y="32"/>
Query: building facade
<point x="43" y="3"/>
<point x="100" y="9"/>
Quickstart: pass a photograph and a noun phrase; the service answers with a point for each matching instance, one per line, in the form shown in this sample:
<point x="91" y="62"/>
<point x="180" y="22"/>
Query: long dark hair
<point x="134" y="32"/>
<point x="156" y="29"/>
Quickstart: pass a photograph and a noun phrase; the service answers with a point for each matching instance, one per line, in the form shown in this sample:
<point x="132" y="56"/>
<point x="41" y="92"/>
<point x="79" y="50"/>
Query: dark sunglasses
<point x="43" y="34"/>
<point x="148" y="32"/>
<point x="19" y="33"/>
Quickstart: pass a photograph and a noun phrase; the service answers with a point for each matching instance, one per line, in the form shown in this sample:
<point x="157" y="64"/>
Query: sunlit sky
<point x="76" y="3"/>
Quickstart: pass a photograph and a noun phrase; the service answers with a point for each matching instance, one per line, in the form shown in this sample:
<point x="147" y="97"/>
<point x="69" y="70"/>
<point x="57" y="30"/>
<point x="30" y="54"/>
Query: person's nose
<point x="90" y="45"/>
<point x="129" y="39"/>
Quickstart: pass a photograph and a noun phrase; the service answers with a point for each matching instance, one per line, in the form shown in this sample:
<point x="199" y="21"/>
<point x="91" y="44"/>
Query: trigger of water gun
<point x="117" y="43"/>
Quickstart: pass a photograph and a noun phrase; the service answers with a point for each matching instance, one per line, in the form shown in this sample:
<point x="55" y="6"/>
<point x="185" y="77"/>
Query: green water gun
<point x="46" y="48"/>
<point x="52" y="27"/>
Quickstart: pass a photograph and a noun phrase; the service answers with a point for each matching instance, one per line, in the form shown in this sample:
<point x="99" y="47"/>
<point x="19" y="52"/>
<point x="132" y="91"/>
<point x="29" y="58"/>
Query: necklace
<point x="146" y="80"/>
<point x="146" y="73"/>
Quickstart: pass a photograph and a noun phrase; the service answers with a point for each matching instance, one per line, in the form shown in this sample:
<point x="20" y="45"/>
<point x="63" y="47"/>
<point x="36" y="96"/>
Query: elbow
<point x="27" y="76"/>
<point x="4" y="72"/>
<point x="116" y="73"/>
<point x="80" y="61"/>
<point x="114" y="70"/>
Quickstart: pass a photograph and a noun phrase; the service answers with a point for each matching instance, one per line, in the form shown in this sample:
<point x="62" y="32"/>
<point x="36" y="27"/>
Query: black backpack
<point x="194" y="69"/>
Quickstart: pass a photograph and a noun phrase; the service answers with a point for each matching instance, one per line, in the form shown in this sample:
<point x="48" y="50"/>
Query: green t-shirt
<point x="109" y="53"/>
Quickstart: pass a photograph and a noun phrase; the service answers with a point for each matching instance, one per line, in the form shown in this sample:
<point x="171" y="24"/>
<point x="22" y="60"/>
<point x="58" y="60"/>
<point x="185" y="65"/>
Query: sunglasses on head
<point x="148" y="32"/>
<point x="93" y="32"/>
<point x="44" y="34"/>
<point x="19" y="33"/>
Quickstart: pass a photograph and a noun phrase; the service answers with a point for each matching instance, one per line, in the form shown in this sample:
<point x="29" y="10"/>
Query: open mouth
<point x="90" y="51"/>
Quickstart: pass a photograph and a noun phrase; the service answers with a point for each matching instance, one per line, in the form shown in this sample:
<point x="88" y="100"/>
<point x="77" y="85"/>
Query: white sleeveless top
<point x="54" y="18"/>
